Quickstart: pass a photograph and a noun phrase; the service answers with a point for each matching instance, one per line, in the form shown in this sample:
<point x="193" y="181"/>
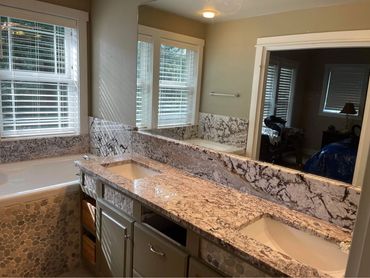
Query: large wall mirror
<point x="194" y="83"/>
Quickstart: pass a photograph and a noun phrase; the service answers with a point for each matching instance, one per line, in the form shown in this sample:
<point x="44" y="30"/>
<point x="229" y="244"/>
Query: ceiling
<point x="237" y="9"/>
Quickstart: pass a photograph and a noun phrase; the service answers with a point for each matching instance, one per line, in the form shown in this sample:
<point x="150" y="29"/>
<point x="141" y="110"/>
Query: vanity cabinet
<point x="157" y="256"/>
<point x="131" y="239"/>
<point x="114" y="241"/>
<point x="198" y="269"/>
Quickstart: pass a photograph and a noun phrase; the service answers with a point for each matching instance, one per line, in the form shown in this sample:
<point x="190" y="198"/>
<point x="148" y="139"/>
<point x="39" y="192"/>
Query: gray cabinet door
<point x="198" y="269"/>
<point x="114" y="241"/>
<point x="157" y="256"/>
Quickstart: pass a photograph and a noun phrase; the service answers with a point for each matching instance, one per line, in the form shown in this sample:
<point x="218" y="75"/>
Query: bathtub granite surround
<point x="329" y="200"/>
<point x="178" y="133"/>
<point x="40" y="238"/>
<point x="42" y="147"/>
<point x="217" y="213"/>
<point x="216" y="128"/>
<point x="109" y="138"/>
<point x="223" y="129"/>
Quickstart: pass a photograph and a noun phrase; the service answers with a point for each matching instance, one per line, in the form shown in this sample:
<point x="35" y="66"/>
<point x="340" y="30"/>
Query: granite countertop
<point x="216" y="212"/>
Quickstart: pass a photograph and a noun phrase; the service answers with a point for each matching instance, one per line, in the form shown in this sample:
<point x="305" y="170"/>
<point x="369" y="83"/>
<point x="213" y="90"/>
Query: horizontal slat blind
<point x="284" y="92"/>
<point x="38" y="77"/>
<point x="271" y="77"/>
<point x="345" y="84"/>
<point x="144" y="82"/>
<point x="177" y="83"/>
<point x="279" y="89"/>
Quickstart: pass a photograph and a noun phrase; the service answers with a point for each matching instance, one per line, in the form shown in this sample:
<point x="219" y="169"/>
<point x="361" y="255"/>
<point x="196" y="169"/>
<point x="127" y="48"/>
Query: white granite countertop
<point x="217" y="212"/>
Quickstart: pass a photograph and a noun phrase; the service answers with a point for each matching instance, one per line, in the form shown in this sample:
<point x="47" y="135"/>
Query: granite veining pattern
<point x="227" y="262"/>
<point x="89" y="185"/>
<point x="223" y="129"/>
<point x="119" y="200"/>
<point x="217" y="213"/>
<point x="36" y="148"/>
<point x="326" y="199"/>
<point x="179" y="133"/>
<point x="40" y="238"/>
<point x="109" y="138"/>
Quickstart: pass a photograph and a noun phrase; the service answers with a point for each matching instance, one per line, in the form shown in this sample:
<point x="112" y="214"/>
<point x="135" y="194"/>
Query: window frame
<point x="328" y="67"/>
<point x="57" y="15"/>
<point x="282" y="62"/>
<point x="178" y="40"/>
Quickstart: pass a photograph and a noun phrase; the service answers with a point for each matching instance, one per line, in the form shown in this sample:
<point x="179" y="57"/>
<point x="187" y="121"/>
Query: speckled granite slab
<point x="42" y="147"/>
<point x="179" y="133"/>
<point x="109" y="138"/>
<point x="223" y="129"/>
<point x="326" y="199"/>
<point x="217" y="212"/>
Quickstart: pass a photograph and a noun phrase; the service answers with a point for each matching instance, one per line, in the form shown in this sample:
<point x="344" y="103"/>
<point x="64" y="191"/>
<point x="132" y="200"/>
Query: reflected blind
<point x="38" y="78"/>
<point x="279" y="90"/>
<point x="177" y="83"/>
<point x="284" y="92"/>
<point x="270" y="86"/>
<point x="345" y="84"/>
<point x="144" y="82"/>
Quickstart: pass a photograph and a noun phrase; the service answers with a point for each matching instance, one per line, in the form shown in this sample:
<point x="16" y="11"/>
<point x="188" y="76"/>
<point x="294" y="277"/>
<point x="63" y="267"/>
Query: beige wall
<point x="159" y="19"/>
<point x="230" y="52"/>
<point x="114" y="43"/>
<point x="83" y="5"/>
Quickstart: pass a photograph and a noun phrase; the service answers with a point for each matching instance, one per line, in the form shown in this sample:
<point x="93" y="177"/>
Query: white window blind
<point x="279" y="90"/>
<point x="39" y="78"/>
<point x="144" y="82"/>
<point x="177" y="83"/>
<point x="270" y="88"/>
<point x="344" y="84"/>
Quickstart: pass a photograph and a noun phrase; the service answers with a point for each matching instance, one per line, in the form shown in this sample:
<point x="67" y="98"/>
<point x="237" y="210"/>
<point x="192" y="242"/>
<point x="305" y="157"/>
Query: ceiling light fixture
<point x="209" y="14"/>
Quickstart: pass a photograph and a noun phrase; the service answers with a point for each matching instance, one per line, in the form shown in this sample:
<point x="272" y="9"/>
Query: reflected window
<point x="143" y="80"/>
<point x="168" y="74"/>
<point x="279" y="91"/>
<point x="344" y="84"/>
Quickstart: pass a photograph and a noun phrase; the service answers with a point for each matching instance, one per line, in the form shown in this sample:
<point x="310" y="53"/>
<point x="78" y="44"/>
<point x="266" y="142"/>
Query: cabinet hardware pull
<point x="151" y="248"/>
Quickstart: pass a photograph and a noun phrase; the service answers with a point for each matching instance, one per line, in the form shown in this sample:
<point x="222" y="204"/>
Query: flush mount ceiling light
<point x="208" y="14"/>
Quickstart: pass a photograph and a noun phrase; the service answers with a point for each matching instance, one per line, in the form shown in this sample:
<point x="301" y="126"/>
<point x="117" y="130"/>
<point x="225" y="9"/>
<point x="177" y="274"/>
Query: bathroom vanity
<point x="155" y="220"/>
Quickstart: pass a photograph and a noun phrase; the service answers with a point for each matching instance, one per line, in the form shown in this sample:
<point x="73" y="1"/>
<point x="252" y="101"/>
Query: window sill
<point x="43" y="136"/>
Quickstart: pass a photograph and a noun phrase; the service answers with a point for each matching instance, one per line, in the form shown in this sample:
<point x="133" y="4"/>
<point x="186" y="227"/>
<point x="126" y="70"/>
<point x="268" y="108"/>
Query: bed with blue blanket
<point x="336" y="160"/>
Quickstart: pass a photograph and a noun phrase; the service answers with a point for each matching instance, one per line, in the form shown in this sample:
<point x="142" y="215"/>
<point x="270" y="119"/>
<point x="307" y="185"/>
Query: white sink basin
<point x="132" y="170"/>
<point x="301" y="246"/>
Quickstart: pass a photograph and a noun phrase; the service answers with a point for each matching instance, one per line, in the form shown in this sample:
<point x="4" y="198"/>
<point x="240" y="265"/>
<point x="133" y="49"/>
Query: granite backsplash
<point x="326" y="199"/>
<point x="42" y="147"/>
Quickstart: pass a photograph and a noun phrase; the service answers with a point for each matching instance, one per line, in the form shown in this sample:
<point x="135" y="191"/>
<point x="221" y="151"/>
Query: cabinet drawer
<point x="155" y="255"/>
<point x="88" y="249"/>
<point x="198" y="269"/>
<point x="88" y="216"/>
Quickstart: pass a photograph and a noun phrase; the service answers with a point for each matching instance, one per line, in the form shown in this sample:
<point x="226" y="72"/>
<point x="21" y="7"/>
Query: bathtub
<point x="40" y="217"/>
<point x="26" y="180"/>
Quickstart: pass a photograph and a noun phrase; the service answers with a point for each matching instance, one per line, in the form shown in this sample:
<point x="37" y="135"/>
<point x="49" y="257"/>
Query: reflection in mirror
<point x="172" y="82"/>
<point x="313" y="110"/>
<point x="190" y="88"/>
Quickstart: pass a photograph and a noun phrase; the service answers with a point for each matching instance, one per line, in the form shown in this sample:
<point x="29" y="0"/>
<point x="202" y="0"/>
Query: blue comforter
<point x="336" y="161"/>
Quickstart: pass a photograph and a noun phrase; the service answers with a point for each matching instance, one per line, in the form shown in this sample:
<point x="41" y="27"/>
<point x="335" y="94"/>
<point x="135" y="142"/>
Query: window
<point x="279" y="91"/>
<point x="343" y="84"/>
<point x="169" y="66"/>
<point x="39" y="78"/>
<point x="176" y="86"/>
<point x="144" y="80"/>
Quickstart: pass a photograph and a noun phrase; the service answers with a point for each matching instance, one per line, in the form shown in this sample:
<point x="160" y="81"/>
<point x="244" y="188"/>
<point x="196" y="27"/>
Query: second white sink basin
<point x="301" y="246"/>
<point x="132" y="170"/>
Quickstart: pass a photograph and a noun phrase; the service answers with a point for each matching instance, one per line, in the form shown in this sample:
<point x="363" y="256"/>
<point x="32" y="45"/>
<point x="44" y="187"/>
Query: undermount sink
<point x="301" y="246"/>
<point x="132" y="170"/>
